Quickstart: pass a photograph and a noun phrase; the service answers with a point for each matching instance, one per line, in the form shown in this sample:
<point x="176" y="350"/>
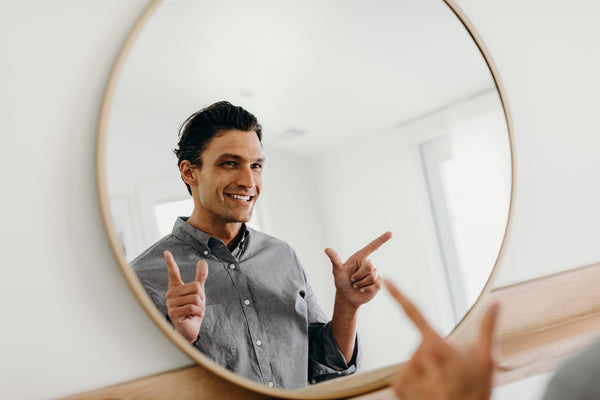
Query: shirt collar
<point x="189" y="234"/>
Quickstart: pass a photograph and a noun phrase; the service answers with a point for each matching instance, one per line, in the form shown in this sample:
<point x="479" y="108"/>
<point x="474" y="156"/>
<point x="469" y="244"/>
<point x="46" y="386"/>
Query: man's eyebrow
<point x="230" y="156"/>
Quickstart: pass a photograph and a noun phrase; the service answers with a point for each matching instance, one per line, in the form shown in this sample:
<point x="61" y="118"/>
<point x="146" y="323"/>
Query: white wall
<point x="547" y="58"/>
<point x="70" y="323"/>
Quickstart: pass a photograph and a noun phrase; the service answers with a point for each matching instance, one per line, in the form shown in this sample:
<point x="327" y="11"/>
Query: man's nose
<point x="245" y="177"/>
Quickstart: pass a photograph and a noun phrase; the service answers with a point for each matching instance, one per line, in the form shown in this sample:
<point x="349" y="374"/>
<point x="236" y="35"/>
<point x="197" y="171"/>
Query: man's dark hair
<point x="202" y="126"/>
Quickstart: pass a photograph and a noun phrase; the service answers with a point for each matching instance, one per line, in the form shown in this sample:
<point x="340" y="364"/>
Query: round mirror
<point x="377" y="116"/>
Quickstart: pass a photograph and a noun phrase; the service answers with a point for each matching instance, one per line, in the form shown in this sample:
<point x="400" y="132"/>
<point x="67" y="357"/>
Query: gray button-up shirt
<point x="577" y="379"/>
<point x="262" y="319"/>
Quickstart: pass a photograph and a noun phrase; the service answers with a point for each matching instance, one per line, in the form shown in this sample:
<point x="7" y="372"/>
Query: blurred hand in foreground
<point x="440" y="371"/>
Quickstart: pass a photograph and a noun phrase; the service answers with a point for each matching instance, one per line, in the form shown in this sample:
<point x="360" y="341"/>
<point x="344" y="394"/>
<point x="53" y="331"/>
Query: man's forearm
<point x="343" y="326"/>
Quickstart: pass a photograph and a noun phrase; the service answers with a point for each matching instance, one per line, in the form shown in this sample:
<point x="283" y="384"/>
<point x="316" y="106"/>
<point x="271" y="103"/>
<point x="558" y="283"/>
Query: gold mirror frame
<point x="338" y="388"/>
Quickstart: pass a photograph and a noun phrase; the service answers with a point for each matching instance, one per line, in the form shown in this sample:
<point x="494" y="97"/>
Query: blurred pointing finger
<point x="410" y="310"/>
<point x="486" y="332"/>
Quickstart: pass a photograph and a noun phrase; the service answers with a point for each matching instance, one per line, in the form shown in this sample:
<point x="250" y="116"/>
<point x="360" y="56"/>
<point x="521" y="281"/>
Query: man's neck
<point x="230" y="233"/>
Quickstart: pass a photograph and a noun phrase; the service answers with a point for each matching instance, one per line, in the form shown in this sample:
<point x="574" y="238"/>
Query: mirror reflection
<point x="378" y="116"/>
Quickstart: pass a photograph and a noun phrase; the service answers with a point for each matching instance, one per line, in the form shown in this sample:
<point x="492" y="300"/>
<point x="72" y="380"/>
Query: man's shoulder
<point x="268" y="240"/>
<point x="577" y="378"/>
<point x="153" y="256"/>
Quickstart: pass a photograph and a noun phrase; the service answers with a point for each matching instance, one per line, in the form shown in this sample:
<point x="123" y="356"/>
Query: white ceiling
<point x="311" y="70"/>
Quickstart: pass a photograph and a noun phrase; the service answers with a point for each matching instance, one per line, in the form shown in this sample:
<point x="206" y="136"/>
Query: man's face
<point x="230" y="178"/>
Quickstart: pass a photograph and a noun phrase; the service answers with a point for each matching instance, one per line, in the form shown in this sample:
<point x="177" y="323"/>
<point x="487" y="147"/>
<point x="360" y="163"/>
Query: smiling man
<point x="247" y="303"/>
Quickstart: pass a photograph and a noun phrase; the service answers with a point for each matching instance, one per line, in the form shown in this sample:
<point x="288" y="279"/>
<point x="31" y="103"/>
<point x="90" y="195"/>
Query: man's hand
<point x="185" y="301"/>
<point x="440" y="371"/>
<point x="356" y="280"/>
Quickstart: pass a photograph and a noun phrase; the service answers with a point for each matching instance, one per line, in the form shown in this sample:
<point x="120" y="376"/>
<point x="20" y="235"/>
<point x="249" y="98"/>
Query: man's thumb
<point x="201" y="272"/>
<point x="336" y="261"/>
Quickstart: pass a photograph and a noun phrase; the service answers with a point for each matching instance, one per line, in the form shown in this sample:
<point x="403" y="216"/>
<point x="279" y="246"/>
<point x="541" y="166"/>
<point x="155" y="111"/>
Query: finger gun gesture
<point x="186" y="301"/>
<point x="357" y="280"/>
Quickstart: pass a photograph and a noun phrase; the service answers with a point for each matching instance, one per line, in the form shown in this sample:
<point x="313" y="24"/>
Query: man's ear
<point x="188" y="172"/>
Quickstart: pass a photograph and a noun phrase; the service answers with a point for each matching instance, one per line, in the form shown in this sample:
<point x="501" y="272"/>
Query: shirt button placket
<point x="253" y="324"/>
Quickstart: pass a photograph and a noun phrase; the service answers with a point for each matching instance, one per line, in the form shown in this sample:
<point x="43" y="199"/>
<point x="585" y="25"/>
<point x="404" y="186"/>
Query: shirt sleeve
<point x="325" y="359"/>
<point x="577" y="379"/>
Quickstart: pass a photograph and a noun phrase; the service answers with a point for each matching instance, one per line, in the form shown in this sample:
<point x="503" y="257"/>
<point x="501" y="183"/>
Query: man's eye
<point x="257" y="167"/>
<point x="229" y="163"/>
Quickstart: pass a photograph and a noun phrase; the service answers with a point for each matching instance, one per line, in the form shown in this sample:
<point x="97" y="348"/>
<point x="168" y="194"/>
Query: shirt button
<point x="270" y="384"/>
<point x="247" y="302"/>
<point x="205" y="252"/>
<point x="258" y="342"/>
<point x="232" y="266"/>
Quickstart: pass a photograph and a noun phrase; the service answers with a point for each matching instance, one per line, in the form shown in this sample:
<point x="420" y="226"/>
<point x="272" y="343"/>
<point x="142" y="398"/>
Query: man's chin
<point x="241" y="219"/>
<point x="237" y="216"/>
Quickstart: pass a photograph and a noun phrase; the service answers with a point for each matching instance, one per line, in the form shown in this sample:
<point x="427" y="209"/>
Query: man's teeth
<point x="240" y="197"/>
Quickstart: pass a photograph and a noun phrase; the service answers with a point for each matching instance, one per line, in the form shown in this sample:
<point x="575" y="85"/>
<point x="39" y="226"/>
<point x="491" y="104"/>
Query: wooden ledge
<point x="542" y="322"/>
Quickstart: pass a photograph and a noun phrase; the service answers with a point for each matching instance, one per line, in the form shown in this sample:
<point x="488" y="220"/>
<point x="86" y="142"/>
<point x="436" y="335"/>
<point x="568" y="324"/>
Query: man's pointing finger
<point x="374" y="245"/>
<point x="172" y="270"/>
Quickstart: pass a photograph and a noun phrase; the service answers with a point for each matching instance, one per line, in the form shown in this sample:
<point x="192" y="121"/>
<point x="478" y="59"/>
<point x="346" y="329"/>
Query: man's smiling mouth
<point x="240" y="197"/>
